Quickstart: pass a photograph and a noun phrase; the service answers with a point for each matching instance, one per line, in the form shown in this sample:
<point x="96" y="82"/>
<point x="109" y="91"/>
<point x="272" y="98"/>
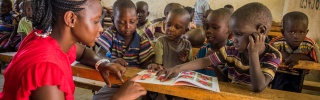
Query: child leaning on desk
<point x="294" y="46"/>
<point x="250" y="61"/>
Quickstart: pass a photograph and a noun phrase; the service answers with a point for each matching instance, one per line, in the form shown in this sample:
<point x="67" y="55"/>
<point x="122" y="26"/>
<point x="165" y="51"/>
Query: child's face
<point x="16" y="6"/>
<point x="125" y="21"/>
<point x="241" y="32"/>
<point x="216" y="28"/>
<point x="295" y="31"/>
<point x="143" y="13"/>
<point x="5" y="8"/>
<point x="175" y="26"/>
<point x="28" y="11"/>
<point x="87" y="26"/>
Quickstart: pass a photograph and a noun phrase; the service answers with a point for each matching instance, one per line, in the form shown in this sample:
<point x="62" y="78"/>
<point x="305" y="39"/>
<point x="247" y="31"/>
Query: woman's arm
<point x="47" y="93"/>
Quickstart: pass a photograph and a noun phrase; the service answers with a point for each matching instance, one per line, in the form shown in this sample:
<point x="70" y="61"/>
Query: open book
<point x="188" y="78"/>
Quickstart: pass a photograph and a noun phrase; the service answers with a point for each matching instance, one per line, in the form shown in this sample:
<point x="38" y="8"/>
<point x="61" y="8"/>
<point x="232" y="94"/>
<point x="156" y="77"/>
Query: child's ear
<point x="262" y="29"/>
<point x="112" y="20"/>
<point x="70" y="18"/>
<point x="148" y="13"/>
<point x="307" y="31"/>
<point x="282" y="31"/>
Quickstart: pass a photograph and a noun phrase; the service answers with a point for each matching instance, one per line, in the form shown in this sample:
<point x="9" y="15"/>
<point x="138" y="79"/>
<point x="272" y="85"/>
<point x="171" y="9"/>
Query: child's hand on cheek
<point x="120" y="61"/>
<point x="183" y="55"/>
<point x="292" y="60"/>
<point x="256" y="42"/>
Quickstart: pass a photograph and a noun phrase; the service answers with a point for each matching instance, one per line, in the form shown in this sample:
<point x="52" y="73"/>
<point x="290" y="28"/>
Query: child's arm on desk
<point x="259" y="81"/>
<point x="292" y="59"/>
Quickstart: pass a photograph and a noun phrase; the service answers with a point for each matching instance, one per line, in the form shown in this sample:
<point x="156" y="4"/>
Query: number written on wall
<point x="310" y="4"/>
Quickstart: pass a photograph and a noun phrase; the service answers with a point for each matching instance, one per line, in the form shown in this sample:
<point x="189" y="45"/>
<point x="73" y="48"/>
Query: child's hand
<point x="130" y="90"/>
<point x="169" y="73"/>
<point x="120" y="61"/>
<point x="292" y="60"/>
<point x="183" y="55"/>
<point x="256" y="42"/>
<point x="155" y="67"/>
<point x="285" y="55"/>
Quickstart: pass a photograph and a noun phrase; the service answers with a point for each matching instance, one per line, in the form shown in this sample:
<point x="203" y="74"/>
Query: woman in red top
<point x="41" y="69"/>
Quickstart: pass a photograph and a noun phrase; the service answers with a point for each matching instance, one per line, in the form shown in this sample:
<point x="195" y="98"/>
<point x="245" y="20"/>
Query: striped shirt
<point x="307" y="47"/>
<point x="156" y="29"/>
<point x="238" y="72"/>
<point x="142" y="31"/>
<point x="139" y="50"/>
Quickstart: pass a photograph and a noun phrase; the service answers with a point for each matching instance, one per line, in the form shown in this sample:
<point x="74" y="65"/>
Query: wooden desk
<point x="310" y="65"/>
<point x="7" y="56"/>
<point x="228" y="90"/>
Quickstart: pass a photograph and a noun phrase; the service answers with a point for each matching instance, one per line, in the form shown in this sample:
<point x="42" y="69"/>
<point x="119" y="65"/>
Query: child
<point x="6" y="15"/>
<point x="201" y="6"/>
<point x="250" y="61"/>
<point x="157" y="29"/>
<point x="123" y="44"/>
<point x="294" y="46"/>
<point x="217" y="32"/>
<point x="41" y="69"/>
<point x="205" y="15"/>
<point x="25" y="24"/>
<point x="192" y="25"/>
<point x="143" y="22"/>
<point x="171" y="49"/>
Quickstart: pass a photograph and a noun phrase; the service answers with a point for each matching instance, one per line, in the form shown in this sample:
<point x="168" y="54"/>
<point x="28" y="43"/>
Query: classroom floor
<point x="85" y="94"/>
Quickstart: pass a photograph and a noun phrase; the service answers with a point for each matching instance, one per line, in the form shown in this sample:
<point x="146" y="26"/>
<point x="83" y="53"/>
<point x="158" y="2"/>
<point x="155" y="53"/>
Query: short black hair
<point x="225" y="12"/>
<point x="295" y="15"/>
<point x="228" y="6"/>
<point x="171" y="6"/>
<point x="189" y="9"/>
<point x="7" y="2"/>
<point x="254" y="13"/>
<point x="45" y="12"/>
<point x="182" y="12"/>
<point x="122" y="4"/>
<point x="142" y="3"/>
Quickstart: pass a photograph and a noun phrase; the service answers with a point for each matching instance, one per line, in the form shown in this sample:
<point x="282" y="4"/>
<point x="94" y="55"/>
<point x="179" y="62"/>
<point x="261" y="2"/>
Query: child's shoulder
<point x="271" y="51"/>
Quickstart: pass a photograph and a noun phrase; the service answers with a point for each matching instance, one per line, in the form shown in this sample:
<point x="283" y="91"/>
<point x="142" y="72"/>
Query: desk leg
<point x="302" y="73"/>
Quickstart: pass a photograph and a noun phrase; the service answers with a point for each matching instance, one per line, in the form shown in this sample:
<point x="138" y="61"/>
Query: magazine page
<point x="149" y="76"/>
<point x="192" y="78"/>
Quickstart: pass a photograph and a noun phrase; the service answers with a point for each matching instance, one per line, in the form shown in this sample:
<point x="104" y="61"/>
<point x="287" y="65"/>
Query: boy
<point x="205" y="15"/>
<point x="171" y="49"/>
<point x="230" y="7"/>
<point x="294" y="46"/>
<point x="25" y="24"/>
<point x="200" y="7"/>
<point x="6" y="15"/>
<point x="157" y="28"/>
<point x="143" y="22"/>
<point x="217" y="32"/>
<point x="249" y="24"/>
<point x="122" y="42"/>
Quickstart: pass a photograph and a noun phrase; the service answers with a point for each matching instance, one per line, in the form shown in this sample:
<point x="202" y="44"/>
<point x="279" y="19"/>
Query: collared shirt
<point x="307" y="47"/>
<point x="138" y="51"/>
<point x="142" y="31"/>
<point x="238" y="72"/>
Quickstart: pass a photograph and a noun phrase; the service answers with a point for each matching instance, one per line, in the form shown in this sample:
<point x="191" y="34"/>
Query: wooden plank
<point x="228" y="90"/>
<point x="275" y="29"/>
<point x="310" y="65"/>
<point x="274" y="34"/>
<point x="88" y="84"/>
<point x="310" y="85"/>
<point x="195" y="51"/>
<point x="7" y="56"/>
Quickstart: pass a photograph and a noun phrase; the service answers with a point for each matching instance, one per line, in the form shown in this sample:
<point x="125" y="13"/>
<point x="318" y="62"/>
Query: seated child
<point x="217" y="32"/>
<point x="171" y="49"/>
<point x="200" y="7"/>
<point x="196" y="37"/>
<point x="143" y="22"/>
<point x="192" y="24"/>
<point x="6" y="16"/>
<point x="205" y="15"/>
<point x="123" y="44"/>
<point x="157" y="29"/>
<point x="294" y="46"/>
<point x="249" y="24"/>
<point x="25" y="24"/>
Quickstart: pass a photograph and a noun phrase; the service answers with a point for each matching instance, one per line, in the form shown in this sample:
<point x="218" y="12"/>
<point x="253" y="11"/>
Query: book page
<point x="198" y="80"/>
<point x="150" y="77"/>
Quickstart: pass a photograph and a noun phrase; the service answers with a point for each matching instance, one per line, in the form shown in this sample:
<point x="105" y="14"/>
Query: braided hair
<point x="45" y="12"/>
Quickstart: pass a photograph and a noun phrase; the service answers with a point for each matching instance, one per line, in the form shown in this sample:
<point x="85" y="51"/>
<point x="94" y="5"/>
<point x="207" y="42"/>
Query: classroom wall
<point x="156" y="6"/>
<point x="312" y="9"/>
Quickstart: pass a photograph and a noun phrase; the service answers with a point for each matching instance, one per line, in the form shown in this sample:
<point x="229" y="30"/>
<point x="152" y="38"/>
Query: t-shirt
<point x="38" y="62"/>
<point x="307" y="47"/>
<point x="139" y="50"/>
<point x="238" y="72"/>
<point x="25" y="26"/>
<point x="142" y="31"/>
<point x="157" y="29"/>
<point x="167" y="52"/>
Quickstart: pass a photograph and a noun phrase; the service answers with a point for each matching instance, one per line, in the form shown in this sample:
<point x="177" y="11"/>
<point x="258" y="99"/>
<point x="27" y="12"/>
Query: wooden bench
<point x="228" y="90"/>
